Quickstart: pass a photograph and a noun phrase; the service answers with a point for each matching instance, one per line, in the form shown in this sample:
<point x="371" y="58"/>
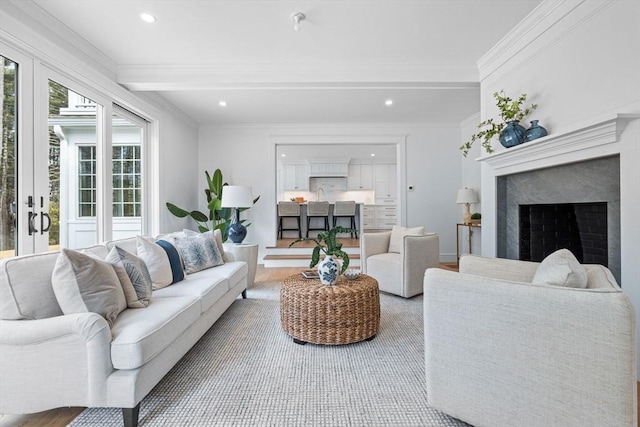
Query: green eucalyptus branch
<point x="509" y="110"/>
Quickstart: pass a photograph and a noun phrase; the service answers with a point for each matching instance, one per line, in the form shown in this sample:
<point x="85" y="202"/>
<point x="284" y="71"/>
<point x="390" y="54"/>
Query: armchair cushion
<point x="561" y="268"/>
<point x="396" y="243"/>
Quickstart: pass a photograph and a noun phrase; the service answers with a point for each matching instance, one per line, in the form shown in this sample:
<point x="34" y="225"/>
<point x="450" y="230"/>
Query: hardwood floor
<point x="63" y="416"/>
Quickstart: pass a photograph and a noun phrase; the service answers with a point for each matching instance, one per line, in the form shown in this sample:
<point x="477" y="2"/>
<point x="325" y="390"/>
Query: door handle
<point x="32" y="227"/>
<point x="44" y="229"/>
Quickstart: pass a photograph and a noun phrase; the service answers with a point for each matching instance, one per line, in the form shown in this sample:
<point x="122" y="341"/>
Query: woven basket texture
<point x="344" y="313"/>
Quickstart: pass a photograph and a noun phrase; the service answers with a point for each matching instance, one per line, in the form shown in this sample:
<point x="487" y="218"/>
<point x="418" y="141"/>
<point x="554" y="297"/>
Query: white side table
<point x="247" y="252"/>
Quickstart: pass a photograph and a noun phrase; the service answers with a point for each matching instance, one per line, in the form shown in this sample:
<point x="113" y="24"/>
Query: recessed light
<point x="147" y="17"/>
<point x="388" y="102"/>
<point x="222" y="103"/>
<point x="373" y="154"/>
<point x="283" y="155"/>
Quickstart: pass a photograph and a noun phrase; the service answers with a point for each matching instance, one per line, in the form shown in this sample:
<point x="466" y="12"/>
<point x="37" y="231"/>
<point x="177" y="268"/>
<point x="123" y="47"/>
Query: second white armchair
<point x="397" y="259"/>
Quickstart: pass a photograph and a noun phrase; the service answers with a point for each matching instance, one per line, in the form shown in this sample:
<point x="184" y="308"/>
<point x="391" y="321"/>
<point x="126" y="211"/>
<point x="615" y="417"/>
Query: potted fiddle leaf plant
<point x="327" y="242"/>
<point x="509" y="131"/>
<point x="219" y="218"/>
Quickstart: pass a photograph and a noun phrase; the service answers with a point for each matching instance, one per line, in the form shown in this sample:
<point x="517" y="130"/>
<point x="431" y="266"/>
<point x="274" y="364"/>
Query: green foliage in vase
<point x="510" y="110"/>
<point x="327" y="242"/>
<point x="219" y="218"/>
<point x="476" y="215"/>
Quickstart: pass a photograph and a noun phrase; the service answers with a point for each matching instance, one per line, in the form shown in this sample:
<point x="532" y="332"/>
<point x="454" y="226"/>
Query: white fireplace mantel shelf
<point x="593" y="140"/>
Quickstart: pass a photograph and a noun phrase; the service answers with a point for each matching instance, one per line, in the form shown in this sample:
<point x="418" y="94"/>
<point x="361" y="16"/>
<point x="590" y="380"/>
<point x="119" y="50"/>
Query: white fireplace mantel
<point x="595" y="139"/>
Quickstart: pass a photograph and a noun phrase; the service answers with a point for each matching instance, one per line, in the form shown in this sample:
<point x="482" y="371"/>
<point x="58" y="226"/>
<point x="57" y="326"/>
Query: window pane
<point x="127" y="178"/>
<point x="8" y="155"/>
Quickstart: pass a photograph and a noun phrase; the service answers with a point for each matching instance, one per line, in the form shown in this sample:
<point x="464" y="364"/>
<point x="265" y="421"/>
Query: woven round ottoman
<point x="344" y="313"/>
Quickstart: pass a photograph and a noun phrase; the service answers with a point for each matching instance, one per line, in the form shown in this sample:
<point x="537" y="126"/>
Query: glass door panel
<point x="72" y="147"/>
<point x="8" y="157"/>
<point x="127" y="143"/>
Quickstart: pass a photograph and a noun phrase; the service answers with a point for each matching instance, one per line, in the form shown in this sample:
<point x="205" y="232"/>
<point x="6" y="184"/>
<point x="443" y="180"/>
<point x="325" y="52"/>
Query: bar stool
<point x="318" y="210"/>
<point x="346" y="209"/>
<point x="288" y="210"/>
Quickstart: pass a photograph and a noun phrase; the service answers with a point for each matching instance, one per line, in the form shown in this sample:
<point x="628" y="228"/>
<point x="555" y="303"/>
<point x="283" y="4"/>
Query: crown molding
<point x="545" y="26"/>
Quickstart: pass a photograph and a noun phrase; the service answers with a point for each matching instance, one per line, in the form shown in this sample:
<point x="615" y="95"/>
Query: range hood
<point x="329" y="168"/>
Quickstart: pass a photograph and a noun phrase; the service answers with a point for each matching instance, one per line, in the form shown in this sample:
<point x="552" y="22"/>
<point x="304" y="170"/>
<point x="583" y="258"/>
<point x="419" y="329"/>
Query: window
<point x="87" y="181"/>
<point x="127" y="181"/>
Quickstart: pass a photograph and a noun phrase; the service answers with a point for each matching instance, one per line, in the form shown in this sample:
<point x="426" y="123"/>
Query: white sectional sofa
<point x="49" y="359"/>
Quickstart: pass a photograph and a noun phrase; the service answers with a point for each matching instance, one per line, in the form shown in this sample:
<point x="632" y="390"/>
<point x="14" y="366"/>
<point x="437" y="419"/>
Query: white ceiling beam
<point x="296" y="76"/>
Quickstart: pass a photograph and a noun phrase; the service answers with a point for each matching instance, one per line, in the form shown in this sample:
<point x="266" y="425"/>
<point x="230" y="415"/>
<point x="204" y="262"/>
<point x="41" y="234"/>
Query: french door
<point x="71" y="165"/>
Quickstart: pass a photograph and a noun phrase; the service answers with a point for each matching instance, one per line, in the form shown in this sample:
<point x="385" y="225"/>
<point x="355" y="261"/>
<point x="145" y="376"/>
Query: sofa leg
<point x="244" y="294"/>
<point x="130" y="416"/>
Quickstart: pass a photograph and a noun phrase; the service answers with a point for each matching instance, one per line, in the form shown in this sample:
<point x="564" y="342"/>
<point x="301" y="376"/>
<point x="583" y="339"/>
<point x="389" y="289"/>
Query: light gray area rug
<point x="245" y="371"/>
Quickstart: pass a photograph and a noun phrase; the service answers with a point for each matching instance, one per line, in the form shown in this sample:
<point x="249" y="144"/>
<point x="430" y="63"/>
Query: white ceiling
<point x="347" y="59"/>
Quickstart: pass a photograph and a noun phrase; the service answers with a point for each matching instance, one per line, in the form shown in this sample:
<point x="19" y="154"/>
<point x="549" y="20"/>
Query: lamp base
<point x="466" y="216"/>
<point x="466" y="219"/>
<point x="237" y="232"/>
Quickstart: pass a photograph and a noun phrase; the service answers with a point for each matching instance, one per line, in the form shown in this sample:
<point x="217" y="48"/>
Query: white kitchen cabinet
<point x="386" y="181"/>
<point x="369" y="217"/>
<point x="386" y="216"/>
<point x="360" y="177"/>
<point x="296" y="177"/>
<point x="328" y="169"/>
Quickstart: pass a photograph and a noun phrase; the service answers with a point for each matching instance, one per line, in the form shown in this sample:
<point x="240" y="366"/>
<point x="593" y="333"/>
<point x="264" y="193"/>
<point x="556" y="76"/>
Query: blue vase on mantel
<point x="535" y="131"/>
<point x="513" y="134"/>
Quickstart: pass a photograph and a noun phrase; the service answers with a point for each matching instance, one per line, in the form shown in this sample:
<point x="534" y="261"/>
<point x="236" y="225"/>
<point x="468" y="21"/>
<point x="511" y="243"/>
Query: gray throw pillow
<point x="198" y="252"/>
<point x="82" y="284"/>
<point x="215" y="235"/>
<point x="134" y="277"/>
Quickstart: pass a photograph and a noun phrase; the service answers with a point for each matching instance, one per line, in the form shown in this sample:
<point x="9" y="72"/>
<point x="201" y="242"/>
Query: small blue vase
<point x="535" y="131"/>
<point x="512" y="134"/>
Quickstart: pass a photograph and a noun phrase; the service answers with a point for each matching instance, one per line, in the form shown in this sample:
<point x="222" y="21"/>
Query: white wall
<point x="180" y="181"/>
<point x="432" y="167"/>
<point x="577" y="61"/>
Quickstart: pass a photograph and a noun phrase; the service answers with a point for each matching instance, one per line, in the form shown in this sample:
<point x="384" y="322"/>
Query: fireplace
<point x="542" y="210"/>
<point x="579" y="227"/>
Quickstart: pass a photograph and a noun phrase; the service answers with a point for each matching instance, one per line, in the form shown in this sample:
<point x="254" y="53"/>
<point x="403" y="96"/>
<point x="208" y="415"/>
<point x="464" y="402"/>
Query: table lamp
<point x="237" y="197"/>
<point x="466" y="196"/>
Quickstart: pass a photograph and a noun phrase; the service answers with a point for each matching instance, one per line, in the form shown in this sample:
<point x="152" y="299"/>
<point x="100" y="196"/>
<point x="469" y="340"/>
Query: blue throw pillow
<point x="174" y="260"/>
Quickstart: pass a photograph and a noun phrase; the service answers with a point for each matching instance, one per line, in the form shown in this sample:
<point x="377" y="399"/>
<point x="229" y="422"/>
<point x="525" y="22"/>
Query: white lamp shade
<point x="236" y="196"/>
<point x="466" y="195"/>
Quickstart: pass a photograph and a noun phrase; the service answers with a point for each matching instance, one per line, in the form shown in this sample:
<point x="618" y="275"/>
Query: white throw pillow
<point x="134" y="277"/>
<point x="396" y="243"/>
<point x="157" y="262"/>
<point x="561" y="268"/>
<point x="83" y="284"/>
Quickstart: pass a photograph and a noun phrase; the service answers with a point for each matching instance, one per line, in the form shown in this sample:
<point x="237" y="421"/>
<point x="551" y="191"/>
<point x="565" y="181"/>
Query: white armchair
<point x="501" y="351"/>
<point x="400" y="271"/>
